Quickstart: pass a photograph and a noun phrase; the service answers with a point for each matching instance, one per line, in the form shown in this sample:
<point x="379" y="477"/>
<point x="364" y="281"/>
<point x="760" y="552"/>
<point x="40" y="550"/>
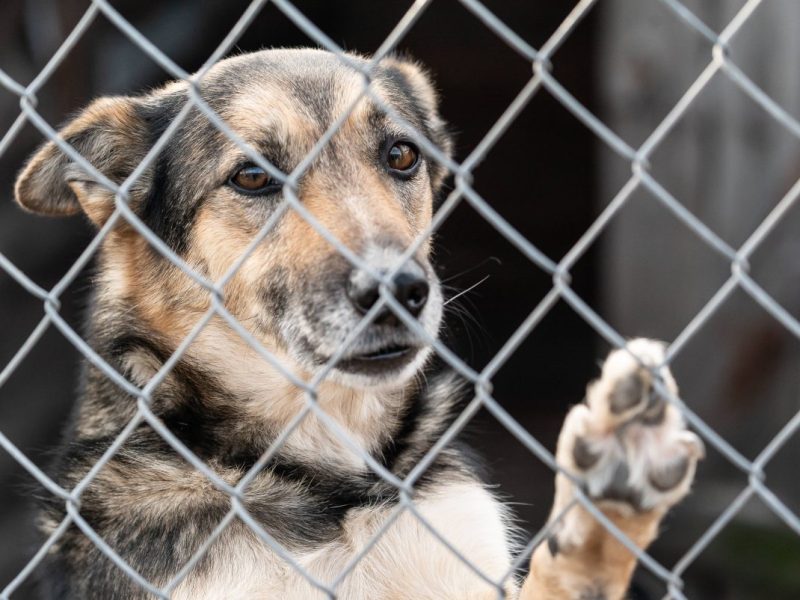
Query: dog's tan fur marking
<point x="569" y="575"/>
<point x="267" y="106"/>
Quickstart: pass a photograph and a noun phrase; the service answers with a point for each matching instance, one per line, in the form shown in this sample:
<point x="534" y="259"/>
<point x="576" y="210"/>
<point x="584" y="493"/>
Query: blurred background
<point x="628" y="62"/>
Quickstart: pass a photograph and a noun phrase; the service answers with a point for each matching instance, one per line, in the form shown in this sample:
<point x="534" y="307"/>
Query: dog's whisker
<point x="462" y="292"/>
<point x="473" y="268"/>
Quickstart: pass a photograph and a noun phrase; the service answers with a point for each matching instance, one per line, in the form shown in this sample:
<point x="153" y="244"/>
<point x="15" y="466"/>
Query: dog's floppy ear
<point x="111" y="135"/>
<point x="420" y="83"/>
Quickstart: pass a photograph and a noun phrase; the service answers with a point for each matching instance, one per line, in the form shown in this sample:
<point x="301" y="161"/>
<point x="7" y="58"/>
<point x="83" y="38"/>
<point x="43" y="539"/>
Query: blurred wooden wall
<point x="729" y="163"/>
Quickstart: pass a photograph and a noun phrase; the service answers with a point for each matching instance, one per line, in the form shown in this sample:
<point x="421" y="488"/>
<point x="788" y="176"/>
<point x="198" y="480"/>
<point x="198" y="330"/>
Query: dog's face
<point x="370" y="187"/>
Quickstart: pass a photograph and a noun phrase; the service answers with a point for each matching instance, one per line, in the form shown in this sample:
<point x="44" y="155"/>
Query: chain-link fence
<point x="542" y="81"/>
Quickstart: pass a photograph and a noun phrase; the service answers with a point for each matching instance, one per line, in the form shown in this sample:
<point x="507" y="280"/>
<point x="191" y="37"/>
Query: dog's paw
<point x="627" y="446"/>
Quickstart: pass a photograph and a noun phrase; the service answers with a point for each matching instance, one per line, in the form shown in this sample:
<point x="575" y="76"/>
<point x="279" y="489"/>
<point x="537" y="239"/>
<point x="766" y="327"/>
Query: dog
<point x="298" y="297"/>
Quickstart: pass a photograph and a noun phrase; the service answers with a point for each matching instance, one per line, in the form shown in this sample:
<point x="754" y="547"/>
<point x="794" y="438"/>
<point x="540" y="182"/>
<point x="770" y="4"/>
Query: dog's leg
<point x="632" y="455"/>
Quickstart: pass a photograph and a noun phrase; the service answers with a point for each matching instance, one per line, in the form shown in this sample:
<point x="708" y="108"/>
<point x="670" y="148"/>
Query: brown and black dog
<point x="374" y="190"/>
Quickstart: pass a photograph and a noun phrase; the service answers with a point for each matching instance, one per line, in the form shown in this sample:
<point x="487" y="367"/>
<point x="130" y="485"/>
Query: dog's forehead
<point x="282" y="61"/>
<point x="301" y="89"/>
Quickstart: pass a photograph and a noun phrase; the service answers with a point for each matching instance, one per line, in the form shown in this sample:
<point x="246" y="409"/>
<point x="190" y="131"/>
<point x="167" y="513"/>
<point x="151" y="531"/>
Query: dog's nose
<point x="410" y="289"/>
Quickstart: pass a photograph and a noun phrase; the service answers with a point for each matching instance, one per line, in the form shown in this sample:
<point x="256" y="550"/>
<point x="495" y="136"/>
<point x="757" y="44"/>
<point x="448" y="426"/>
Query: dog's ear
<point x="420" y="83"/>
<point x="111" y="135"/>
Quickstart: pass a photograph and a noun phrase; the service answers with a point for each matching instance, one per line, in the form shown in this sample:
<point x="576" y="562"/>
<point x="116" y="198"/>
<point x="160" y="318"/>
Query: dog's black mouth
<point x="387" y="353"/>
<point x="383" y="360"/>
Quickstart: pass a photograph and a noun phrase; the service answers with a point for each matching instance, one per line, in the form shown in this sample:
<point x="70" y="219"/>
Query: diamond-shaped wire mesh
<point x="542" y="81"/>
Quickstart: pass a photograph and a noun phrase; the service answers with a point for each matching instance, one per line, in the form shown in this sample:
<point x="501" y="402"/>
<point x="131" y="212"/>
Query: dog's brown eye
<point x="253" y="179"/>
<point x="402" y="156"/>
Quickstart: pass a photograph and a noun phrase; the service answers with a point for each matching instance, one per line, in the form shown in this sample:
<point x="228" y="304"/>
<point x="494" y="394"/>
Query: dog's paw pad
<point x="667" y="476"/>
<point x="627" y="445"/>
<point x="583" y="454"/>
<point x="626" y="388"/>
<point x="626" y="393"/>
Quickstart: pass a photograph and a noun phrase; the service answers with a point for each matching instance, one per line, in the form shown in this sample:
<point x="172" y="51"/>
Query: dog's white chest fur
<point x="408" y="561"/>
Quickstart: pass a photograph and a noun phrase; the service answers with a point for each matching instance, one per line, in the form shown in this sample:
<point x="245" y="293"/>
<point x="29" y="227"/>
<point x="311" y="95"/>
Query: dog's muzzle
<point x="392" y="345"/>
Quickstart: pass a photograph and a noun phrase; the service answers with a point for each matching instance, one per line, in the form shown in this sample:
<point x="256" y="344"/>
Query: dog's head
<point x="370" y="187"/>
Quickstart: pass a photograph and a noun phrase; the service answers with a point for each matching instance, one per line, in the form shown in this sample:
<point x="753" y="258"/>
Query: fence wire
<point x="542" y="81"/>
